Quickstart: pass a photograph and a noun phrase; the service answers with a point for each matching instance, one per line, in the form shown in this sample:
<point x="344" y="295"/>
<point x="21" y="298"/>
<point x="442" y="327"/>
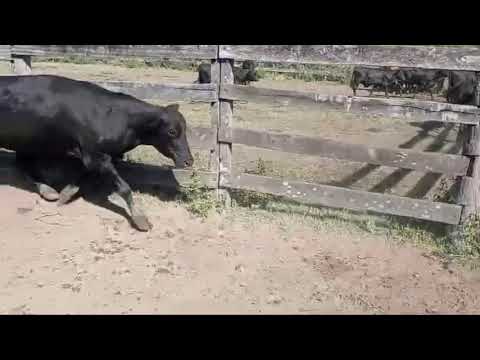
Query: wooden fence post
<point x="21" y="64"/>
<point x="468" y="194"/>
<point x="225" y="131"/>
<point x="215" y="121"/>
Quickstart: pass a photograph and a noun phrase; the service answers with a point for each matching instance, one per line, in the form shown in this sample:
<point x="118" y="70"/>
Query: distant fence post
<point x="225" y="130"/>
<point x="21" y="64"/>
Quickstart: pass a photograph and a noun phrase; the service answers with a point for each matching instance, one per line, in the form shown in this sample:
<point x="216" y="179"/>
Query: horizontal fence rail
<point x="337" y="197"/>
<point x="428" y="57"/>
<point x="201" y="138"/>
<point x="395" y="108"/>
<point x="456" y="165"/>
<point x="178" y="51"/>
<point x="169" y="92"/>
<point x="5" y="52"/>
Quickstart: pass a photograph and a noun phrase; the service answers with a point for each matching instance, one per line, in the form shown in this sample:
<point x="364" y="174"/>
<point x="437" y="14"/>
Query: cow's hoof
<point x="67" y="194"/>
<point x="48" y="193"/>
<point x="63" y="199"/>
<point x="142" y="223"/>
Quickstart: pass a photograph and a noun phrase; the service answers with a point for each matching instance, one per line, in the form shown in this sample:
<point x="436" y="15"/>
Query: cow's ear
<point x="173" y="107"/>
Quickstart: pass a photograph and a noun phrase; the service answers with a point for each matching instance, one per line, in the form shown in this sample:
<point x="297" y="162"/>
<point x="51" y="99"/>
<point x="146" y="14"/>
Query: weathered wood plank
<point x="214" y="159"/>
<point x="471" y="140"/>
<point x="402" y="158"/>
<point x="176" y="51"/>
<point x="168" y="92"/>
<point x="225" y="128"/>
<point x="5" y="52"/>
<point x="428" y="57"/>
<point x="469" y="189"/>
<point x="201" y="138"/>
<point x="336" y="197"/>
<point x="381" y="107"/>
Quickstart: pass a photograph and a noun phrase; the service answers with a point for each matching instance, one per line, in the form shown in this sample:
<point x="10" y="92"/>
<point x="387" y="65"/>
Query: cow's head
<point x="167" y="132"/>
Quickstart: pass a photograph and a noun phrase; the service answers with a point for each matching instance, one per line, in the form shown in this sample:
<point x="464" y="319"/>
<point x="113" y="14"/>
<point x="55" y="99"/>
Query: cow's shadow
<point x="96" y="191"/>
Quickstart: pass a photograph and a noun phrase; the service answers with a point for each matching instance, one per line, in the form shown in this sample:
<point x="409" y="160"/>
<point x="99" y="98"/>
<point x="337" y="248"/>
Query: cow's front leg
<point x="102" y="164"/>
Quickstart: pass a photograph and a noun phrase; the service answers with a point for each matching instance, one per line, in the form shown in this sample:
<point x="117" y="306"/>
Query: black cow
<point x="424" y="80"/>
<point x="462" y="86"/>
<point x="204" y="71"/>
<point x="243" y="75"/>
<point x="374" y="78"/>
<point x="53" y="117"/>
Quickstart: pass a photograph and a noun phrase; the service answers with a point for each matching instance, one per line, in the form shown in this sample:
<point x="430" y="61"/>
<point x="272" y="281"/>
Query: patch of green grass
<point x="254" y="199"/>
<point x="470" y="237"/>
<point x="199" y="200"/>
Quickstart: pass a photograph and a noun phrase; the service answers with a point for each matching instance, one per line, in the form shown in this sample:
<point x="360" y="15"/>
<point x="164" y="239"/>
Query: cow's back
<point x="54" y="113"/>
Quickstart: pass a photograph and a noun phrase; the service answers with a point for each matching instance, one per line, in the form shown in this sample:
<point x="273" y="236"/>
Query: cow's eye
<point x="172" y="133"/>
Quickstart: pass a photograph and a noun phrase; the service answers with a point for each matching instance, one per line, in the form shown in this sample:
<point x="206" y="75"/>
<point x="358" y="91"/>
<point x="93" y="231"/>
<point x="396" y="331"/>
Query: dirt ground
<point x="83" y="258"/>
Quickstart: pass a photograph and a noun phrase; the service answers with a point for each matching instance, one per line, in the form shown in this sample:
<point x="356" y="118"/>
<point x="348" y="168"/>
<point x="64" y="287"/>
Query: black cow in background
<point x="462" y="87"/>
<point x="423" y="80"/>
<point x="53" y="119"/>
<point x="376" y="79"/>
<point x="204" y="72"/>
<point x="400" y="81"/>
<point x="243" y="75"/>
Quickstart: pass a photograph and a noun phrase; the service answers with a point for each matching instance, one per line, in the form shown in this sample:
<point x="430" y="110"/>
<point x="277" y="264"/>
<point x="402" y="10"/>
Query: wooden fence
<point x="222" y="94"/>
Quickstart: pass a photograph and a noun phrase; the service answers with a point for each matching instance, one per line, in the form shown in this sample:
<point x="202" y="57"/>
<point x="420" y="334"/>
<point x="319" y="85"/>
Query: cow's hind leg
<point x="102" y="163"/>
<point x="76" y="176"/>
<point x="30" y="168"/>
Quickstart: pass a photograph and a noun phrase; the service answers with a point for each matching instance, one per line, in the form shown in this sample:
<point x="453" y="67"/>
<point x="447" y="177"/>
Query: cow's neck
<point x="139" y="114"/>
